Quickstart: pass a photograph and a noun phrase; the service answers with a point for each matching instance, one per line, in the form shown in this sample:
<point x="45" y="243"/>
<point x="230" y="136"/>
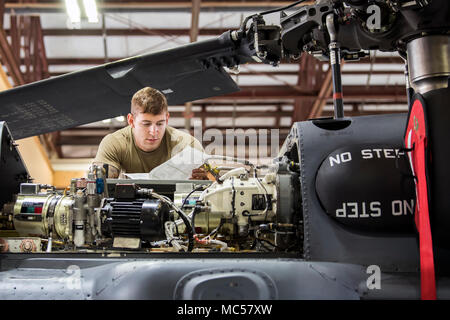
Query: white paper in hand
<point x="137" y="176"/>
<point x="180" y="166"/>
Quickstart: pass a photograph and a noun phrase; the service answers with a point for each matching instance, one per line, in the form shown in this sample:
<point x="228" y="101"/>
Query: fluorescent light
<point x="73" y="11"/>
<point x="120" y="118"/>
<point x="91" y="10"/>
<point x="106" y="121"/>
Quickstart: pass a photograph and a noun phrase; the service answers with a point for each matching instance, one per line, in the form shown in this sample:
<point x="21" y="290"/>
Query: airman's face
<point x="148" y="129"/>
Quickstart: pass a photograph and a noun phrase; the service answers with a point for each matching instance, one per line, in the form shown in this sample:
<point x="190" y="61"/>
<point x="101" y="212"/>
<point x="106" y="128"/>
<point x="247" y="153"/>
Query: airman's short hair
<point x="148" y="100"/>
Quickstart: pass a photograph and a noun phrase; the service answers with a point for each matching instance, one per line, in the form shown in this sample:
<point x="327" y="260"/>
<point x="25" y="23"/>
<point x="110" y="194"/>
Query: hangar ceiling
<point x="38" y="42"/>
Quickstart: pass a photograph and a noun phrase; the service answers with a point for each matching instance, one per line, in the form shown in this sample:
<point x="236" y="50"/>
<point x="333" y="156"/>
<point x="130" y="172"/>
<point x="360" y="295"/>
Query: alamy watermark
<point x="258" y="146"/>
<point x="373" y="22"/>
<point x="374" y="280"/>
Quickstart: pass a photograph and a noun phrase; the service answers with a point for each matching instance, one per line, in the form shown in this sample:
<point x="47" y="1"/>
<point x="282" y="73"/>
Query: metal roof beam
<point x="154" y="6"/>
<point x="391" y="92"/>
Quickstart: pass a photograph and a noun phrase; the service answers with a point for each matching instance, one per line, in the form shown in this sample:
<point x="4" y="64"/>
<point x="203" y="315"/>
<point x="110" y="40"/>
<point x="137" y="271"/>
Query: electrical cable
<point x="185" y="219"/>
<point x="208" y="240"/>
<point x="233" y="200"/>
<point x="194" y="213"/>
<point x="214" y="232"/>
<point x="189" y="194"/>
<point x="219" y="157"/>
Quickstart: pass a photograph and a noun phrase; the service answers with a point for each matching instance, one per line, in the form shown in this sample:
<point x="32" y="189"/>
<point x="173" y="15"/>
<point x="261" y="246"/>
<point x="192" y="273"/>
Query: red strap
<point x="337" y="95"/>
<point x="416" y="136"/>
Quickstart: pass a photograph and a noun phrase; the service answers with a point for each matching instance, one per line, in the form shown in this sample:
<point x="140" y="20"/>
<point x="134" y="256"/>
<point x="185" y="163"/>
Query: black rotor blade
<point x="186" y="73"/>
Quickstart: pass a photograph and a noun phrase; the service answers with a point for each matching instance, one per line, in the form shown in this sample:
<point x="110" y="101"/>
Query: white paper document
<point x="179" y="167"/>
<point x="137" y="176"/>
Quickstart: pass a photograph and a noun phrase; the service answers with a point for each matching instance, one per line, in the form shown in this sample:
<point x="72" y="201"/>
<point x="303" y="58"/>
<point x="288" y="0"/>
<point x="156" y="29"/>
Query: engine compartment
<point x="239" y="212"/>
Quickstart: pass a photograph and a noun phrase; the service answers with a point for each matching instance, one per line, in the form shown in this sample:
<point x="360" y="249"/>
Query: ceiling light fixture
<point x="90" y="8"/>
<point x="73" y="11"/>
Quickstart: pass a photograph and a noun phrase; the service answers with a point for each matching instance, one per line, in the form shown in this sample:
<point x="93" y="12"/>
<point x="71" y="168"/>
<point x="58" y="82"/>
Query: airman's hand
<point x="199" y="174"/>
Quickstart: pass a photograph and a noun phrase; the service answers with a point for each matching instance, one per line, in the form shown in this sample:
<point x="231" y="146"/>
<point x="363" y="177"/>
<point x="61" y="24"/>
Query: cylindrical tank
<point x="37" y="215"/>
